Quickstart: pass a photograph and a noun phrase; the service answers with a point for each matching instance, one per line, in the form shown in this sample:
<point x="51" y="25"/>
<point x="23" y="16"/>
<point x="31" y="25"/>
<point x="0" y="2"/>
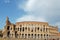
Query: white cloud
<point x="30" y="18"/>
<point x="46" y="10"/>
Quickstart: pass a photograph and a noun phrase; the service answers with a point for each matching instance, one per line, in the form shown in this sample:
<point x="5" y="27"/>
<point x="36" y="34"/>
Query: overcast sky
<point x="30" y="10"/>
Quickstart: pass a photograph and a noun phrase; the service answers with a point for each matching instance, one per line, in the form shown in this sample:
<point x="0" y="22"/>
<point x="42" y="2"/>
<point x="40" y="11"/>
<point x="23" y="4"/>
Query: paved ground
<point x="17" y="39"/>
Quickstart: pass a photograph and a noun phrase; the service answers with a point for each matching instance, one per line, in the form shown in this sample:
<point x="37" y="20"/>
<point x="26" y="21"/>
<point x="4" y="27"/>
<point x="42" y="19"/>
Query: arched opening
<point x="20" y="25"/>
<point x="14" y="27"/>
<point x="31" y="35"/>
<point x="22" y="35"/>
<point x="44" y="35"/>
<point x="45" y="39"/>
<point x="16" y="34"/>
<point x="28" y="35"/>
<point x="58" y="39"/>
<point x="38" y="35"/>
<point x="1" y="35"/>
<point x="25" y="35"/>
<point x="8" y="33"/>
<point x="53" y="39"/>
<point x="35" y="35"/>
<point x="23" y="29"/>
<point x="38" y="28"/>
<point x="41" y="35"/>
<point x="8" y="27"/>
<point x="18" y="29"/>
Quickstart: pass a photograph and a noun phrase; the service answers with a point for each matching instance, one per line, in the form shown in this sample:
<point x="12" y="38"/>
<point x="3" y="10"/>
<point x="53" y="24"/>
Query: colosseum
<point x="32" y="30"/>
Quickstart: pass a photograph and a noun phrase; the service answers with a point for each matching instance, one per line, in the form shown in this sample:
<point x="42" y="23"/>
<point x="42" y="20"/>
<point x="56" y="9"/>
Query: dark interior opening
<point x="14" y="27"/>
<point x="8" y="27"/>
<point x="16" y="34"/>
<point x="1" y="35"/>
<point x="8" y="33"/>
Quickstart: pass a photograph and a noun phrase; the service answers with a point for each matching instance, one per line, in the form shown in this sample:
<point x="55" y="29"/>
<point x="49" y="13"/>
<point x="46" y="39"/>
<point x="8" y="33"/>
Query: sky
<point x="30" y="10"/>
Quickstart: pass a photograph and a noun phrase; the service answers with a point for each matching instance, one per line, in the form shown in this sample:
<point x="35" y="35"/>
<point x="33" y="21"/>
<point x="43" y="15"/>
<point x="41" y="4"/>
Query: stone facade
<point x="30" y="30"/>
